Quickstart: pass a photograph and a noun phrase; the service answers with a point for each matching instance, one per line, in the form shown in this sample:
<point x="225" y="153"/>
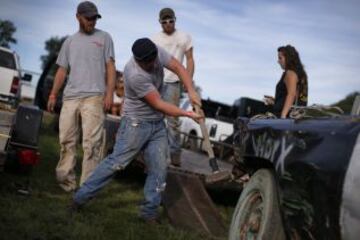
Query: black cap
<point x="88" y="9"/>
<point x="166" y="13"/>
<point x="144" y="50"/>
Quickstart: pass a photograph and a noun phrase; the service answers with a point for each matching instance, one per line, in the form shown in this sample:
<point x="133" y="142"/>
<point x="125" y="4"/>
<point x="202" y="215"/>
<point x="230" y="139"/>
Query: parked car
<point x="219" y="120"/>
<point x="10" y="77"/>
<point x="219" y="129"/>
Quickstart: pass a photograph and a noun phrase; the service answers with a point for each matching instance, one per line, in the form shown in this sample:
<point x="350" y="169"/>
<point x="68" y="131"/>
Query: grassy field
<point x="42" y="214"/>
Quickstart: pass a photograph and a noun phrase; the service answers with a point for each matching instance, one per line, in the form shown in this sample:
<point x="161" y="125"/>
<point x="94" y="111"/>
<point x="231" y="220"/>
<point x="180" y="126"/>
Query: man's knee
<point x="160" y="187"/>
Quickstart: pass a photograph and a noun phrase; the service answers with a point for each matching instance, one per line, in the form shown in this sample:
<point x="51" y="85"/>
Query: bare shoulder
<point x="291" y="76"/>
<point x="290" y="73"/>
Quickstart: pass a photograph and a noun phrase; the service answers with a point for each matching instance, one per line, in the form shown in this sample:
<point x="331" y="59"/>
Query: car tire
<point x="257" y="213"/>
<point x="191" y="142"/>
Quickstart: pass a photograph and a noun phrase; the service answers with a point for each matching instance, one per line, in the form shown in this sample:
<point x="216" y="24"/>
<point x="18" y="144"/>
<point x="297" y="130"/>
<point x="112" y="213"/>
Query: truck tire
<point x="191" y="142"/>
<point x="257" y="213"/>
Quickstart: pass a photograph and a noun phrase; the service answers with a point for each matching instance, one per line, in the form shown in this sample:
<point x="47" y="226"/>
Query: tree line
<point x="52" y="45"/>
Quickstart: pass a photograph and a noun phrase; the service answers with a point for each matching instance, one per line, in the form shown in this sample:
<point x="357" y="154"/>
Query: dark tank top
<point x="281" y="93"/>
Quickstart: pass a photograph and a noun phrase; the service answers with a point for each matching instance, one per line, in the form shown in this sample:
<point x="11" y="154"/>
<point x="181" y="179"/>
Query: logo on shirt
<point x="98" y="44"/>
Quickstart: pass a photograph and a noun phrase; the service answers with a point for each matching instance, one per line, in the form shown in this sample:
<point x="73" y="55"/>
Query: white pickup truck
<point x="191" y="137"/>
<point x="10" y="77"/>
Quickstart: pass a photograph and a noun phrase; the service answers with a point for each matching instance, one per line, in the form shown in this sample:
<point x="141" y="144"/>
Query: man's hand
<point x="198" y="114"/>
<point x="108" y="101"/>
<point x="195" y="116"/>
<point x="58" y="83"/>
<point x="51" y="103"/>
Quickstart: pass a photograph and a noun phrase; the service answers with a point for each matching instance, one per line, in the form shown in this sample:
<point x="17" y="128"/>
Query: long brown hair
<point x="293" y="62"/>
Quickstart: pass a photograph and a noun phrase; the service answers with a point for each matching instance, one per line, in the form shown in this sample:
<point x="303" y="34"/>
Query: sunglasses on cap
<point x="168" y="21"/>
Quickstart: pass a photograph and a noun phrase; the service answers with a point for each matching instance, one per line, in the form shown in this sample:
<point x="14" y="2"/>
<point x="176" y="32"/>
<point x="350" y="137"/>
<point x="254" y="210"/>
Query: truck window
<point x="7" y="60"/>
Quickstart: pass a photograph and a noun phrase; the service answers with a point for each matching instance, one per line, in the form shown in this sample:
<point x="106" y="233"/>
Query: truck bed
<point x="6" y="119"/>
<point x="197" y="163"/>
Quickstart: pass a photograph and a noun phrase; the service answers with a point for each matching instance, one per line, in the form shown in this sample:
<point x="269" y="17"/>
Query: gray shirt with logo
<point x="86" y="56"/>
<point x="138" y="83"/>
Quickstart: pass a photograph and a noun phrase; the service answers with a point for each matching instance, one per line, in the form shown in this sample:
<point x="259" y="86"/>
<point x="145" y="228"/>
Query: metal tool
<point x="216" y="175"/>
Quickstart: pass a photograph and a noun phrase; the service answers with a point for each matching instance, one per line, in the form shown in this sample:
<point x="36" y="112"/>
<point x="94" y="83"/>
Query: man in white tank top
<point x="179" y="45"/>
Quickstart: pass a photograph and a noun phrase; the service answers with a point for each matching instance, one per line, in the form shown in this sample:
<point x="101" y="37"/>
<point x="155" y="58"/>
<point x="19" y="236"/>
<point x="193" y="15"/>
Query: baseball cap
<point x="144" y="50"/>
<point x="166" y="13"/>
<point x="88" y="9"/>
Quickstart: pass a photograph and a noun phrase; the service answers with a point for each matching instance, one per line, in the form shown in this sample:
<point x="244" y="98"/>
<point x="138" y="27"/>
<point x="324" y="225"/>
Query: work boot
<point x="176" y="159"/>
<point x="67" y="186"/>
<point x="151" y="221"/>
<point x="73" y="208"/>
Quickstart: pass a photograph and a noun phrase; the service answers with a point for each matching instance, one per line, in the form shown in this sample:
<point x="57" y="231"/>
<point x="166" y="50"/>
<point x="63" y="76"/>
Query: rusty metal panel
<point x="198" y="163"/>
<point x="6" y="119"/>
<point x="189" y="206"/>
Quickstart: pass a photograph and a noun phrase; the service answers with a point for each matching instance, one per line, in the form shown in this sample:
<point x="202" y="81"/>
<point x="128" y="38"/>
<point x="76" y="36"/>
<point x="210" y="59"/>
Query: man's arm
<point x="58" y="83"/>
<point x="176" y="67"/>
<point x="190" y="64"/>
<point x="110" y="83"/>
<point x="153" y="98"/>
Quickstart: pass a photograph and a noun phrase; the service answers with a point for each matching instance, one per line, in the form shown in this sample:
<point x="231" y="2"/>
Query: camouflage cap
<point x="166" y="13"/>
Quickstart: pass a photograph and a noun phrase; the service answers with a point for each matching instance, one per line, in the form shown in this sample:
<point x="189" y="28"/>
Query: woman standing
<point x="292" y="89"/>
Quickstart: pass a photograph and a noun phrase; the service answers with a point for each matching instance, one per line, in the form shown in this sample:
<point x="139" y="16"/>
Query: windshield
<point x="7" y="60"/>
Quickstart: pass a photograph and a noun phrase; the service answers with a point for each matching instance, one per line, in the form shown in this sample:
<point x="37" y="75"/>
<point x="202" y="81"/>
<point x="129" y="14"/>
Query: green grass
<point x="43" y="215"/>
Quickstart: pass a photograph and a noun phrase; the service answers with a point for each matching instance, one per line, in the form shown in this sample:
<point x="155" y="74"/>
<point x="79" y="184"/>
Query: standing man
<point x="88" y="56"/>
<point x="142" y="126"/>
<point x="178" y="44"/>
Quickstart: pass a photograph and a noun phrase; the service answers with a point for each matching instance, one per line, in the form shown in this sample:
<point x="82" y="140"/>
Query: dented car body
<point x="316" y="166"/>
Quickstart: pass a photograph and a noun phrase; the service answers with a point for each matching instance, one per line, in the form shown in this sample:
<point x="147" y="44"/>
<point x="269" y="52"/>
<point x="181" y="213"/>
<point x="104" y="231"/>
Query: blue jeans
<point x="132" y="137"/>
<point x="171" y="93"/>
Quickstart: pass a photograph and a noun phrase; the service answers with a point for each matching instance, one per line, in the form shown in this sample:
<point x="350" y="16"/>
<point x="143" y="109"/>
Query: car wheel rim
<point x="250" y="221"/>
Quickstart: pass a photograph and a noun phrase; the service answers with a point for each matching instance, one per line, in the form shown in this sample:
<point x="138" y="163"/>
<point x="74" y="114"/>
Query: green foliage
<point x="7" y="29"/>
<point x="346" y="103"/>
<point x="43" y="215"/>
<point x="52" y="46"/>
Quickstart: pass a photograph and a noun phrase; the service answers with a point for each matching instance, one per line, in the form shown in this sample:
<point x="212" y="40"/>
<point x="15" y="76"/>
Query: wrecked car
<point x="304" y="181"/>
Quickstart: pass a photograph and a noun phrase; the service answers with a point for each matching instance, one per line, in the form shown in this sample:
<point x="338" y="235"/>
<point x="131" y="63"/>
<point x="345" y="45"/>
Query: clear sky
<point x="235" y="41"/>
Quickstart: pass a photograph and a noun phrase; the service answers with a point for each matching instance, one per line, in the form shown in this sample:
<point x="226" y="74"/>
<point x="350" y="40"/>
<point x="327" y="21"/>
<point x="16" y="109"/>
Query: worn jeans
<point x="132" y="137"/>
<point x="171" y="93"/>
<point x="91" y="112"/>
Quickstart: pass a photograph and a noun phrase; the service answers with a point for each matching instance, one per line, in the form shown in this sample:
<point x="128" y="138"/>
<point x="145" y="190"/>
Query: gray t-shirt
<point x="138" y="83"/>
<point x="86" y="55"/>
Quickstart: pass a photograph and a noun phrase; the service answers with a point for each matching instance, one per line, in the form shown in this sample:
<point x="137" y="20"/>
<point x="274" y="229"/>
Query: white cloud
<point x="235" y="42"/>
